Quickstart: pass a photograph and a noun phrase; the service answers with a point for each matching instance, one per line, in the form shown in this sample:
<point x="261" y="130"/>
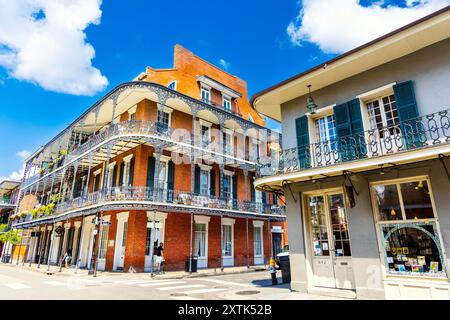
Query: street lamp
<point x="311" y="105"/>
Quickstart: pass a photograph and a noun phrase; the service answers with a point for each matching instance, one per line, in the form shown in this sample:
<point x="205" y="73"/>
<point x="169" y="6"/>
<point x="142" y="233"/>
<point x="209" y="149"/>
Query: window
<point x="383" y="113"/>
<point x="172" y="85"/>
<point x="258" y="240"/>
<point x="227" y="186"/>
<point x="325" y="129"/>
<point x="226" y="103"/>
<point x="200" y="240"/>
<point x="132" y="113"/>
<point x="97" y="182"/>
<point x="228" y="141"/>
<point x="206" y="136"/>
<point x="206" y="95"/>
<point x="103" y="242"/>
<point x="124" y="234"/>
<point x="148" y="241"/>
<point x="410" y="243"/>
<point x="204" y="182"/>
<point x="164" y="118"/>
<point x="227" y="240"/>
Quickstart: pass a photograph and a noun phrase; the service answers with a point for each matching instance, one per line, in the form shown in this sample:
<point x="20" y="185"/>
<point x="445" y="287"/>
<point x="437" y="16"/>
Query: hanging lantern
<point x="311" y="105"/>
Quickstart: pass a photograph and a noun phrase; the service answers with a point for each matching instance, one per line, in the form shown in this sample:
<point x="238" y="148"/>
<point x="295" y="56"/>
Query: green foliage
<point x="12" y="236"/>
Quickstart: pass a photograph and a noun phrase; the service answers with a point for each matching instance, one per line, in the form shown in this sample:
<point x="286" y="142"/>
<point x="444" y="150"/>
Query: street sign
<point x="106" y="223"/>
<point x="59" y="231"/>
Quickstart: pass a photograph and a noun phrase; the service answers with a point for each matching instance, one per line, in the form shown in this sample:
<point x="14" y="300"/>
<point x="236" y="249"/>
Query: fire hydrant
<point x="273" y="271"/>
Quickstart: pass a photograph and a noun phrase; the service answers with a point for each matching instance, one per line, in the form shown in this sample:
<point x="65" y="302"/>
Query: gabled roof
<point x="403" y="41"/>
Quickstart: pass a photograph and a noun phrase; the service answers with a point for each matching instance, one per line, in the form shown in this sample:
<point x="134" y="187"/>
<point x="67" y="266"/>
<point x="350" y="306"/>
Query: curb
<point x="43" y="270"/>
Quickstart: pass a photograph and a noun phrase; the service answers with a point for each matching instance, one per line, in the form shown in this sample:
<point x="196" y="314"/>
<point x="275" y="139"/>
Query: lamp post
<point x="152" y="244"/>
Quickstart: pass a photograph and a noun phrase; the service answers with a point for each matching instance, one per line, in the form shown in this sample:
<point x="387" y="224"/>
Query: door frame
<point x="203" y="262"/>
<point x="258" y="259"/>
<point x="228" y="261"/>
<point x="121" y="219"/>
<point x="161" y="219"/>
<point x="309" y="251"/>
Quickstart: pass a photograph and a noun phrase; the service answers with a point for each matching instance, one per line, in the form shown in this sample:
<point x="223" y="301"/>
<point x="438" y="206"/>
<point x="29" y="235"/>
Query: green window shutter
<point x="235" y="191"/>
<point x="212" y="182"/>
<point x="342" y="120"/>
<point x="131" y="176"/>
<point x="354" y="108"/>
<point x="114" y="177"/>
<point x="122" y="168"/>
<point x="252" y="192"/>
<point x="170" y="180"/>
<point x="150" y="172"/>
<point x="197" y="180"/>
<point x="302" y="131"/>
<point x="406" y="101"/>
<point x="412" y="131"/>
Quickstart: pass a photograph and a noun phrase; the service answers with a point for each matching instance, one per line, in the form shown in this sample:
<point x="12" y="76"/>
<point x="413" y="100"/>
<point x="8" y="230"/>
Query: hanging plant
<point x="24" y="214"/>
<point x="63" y="152"/>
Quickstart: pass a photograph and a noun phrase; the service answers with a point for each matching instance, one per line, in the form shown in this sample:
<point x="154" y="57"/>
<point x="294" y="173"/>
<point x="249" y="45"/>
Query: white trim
<point x="111" y="165"/>
<point x="107" y="218"/>
<point x="228" y="221"/>
<point x="257" y="223"/>
<point x="165" y="158"/>
<point x="77" y="224"/>
<point x="128" y="158"/>
<point x="96" y="173"/>
<point x="205" y="123"/>
<point x="204" y="167"/>
<point x="159" y="215"/>
<point x="376" y="93"/>
<point x="228" y="172"/>
<point x="202" y="219"/>
<point x="122" y="216"/>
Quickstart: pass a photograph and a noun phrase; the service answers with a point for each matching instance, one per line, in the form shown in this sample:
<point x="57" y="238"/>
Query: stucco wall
<point x="429" y="69"/>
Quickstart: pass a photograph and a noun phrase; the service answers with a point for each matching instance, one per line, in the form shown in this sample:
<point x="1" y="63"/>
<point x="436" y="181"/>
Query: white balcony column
<point x="222" y="176"/>
<point x="247" y="243"/>
<point x="106" y="171"/>
<point x="91" y="157"/>
<point x="43" y="191"/>
<point x="80" y="137"/>
<point x="75" y="171"/>
<point x="61" y="186"/>
<point x="114" y="106"/>
<point x="246" y="183"/>
<point x="193" y="143"/>
<point x="157" y="154"/>
<point x="96" y="120"/>
<point x="51" y="187"/>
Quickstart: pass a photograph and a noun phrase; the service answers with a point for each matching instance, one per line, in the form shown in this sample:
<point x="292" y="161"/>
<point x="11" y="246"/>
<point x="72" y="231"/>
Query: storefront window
<point x="417" y="201"/>
<point x="388" y="202"/>
<point x="411" y="243"/>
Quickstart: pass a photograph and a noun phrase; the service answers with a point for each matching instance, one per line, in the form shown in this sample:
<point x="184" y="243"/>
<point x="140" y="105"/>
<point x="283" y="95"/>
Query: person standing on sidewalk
<point x="160" y="258"/>
<point x="273" y="271"/>
<point x="67" y="258"/>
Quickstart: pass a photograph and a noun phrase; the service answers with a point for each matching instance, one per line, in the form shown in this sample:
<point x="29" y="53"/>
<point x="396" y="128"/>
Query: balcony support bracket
<point x="441" y="159"/>
<point x="287" y="185"/>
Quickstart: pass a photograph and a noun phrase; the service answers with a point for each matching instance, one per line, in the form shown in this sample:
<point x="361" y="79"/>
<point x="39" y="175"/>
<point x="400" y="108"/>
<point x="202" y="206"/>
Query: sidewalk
<point x="54" y="270"/>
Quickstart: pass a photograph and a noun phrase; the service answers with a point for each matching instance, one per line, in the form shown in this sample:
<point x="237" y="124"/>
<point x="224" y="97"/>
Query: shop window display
<point x="408" y="227"/>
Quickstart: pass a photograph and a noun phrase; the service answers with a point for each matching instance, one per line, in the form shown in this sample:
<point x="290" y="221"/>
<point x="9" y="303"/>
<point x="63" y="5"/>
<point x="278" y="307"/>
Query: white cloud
<point x="337" y="26"/>
<point x="44" y="42"/>
<point x="226" y="65"/>
<point x="23" y="154"/>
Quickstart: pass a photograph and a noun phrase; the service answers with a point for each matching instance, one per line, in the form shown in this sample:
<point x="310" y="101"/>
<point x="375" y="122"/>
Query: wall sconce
<point x="311" y="105"/>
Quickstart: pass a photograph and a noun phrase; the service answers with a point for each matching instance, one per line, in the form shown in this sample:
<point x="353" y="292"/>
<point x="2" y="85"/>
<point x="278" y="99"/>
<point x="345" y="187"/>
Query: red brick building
<point x="169" y="157"/>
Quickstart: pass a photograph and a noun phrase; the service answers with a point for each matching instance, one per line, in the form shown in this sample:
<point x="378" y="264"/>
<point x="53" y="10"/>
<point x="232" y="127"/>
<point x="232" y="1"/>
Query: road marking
<point x="202" y="291"/>
<point x="17" y="285"/>
<point x="56" y="283"/>
<point x="182" y="287"/>
<point x="161" y="283"/>
<point x="226" y="282"/>
<point x="184" y="298"/>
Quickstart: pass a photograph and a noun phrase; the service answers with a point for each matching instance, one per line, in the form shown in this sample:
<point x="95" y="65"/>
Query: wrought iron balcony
<point x="423" y="132"/>
<point x="160" y="196"/>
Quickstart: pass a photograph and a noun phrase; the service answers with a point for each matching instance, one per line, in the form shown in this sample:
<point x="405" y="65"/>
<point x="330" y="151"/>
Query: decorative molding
<point x="122" y="216"/>
<point x="228" y="221"/>
<point x="257" y="223"/>
<point x="202" y="219"/>
<point x="159" y="215"/>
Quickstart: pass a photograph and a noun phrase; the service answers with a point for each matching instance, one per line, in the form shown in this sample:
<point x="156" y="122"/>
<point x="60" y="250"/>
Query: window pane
<point x="103" y="242"/>
<point x="227" y="244"/>
<point x="388" y="202"/>
<point x="411" y="249"/>
<point x="339" y="225"/>
<point x="416" y="200"/>
<point x="257" y="240"/>
<point x="319" y="226"/>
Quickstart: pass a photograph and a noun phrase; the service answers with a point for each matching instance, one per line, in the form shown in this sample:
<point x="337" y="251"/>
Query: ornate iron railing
<point x="418" y="133"/>
<point x="165" y="195"/>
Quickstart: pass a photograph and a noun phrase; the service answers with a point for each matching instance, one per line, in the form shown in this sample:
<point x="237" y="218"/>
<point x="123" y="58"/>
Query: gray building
<point x="365" y="166"/>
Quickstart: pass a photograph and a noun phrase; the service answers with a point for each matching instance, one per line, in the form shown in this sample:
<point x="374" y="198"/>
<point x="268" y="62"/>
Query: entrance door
<point x="121" y="238"/>
<point x="331" y="254"/>
<point x="201" y="244"/>
<point x="156" y="238"/>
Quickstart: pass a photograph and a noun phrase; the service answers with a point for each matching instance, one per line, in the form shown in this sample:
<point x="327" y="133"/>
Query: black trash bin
<point x="193" y="264"/>
<point x="6" y="258"/>
<point x="285" y="267"/>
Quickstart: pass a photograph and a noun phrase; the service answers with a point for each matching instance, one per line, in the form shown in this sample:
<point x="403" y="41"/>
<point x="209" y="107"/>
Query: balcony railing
<point x="415" y="134"/>
<point x="7" y="201"/>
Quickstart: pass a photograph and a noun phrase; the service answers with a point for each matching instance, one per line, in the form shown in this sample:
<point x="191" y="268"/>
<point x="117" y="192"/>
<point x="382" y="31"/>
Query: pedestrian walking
<point x="67" y="258"/>
<point x="273" y="271"/>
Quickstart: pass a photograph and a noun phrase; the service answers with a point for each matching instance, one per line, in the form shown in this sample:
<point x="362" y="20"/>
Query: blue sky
<point x="262" y="42"/>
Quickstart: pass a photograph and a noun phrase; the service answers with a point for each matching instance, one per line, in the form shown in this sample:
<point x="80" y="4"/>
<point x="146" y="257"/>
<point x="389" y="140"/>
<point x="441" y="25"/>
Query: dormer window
<point x="206" y="95"/>
<point x="172" y="85"/>
<point x="226" y="101"/>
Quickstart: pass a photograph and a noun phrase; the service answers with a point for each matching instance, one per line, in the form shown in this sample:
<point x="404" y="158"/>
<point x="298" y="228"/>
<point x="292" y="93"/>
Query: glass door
<point x="331" y="254"/>
<point x="201" y="245"/>
<point x="325" y="150"/>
